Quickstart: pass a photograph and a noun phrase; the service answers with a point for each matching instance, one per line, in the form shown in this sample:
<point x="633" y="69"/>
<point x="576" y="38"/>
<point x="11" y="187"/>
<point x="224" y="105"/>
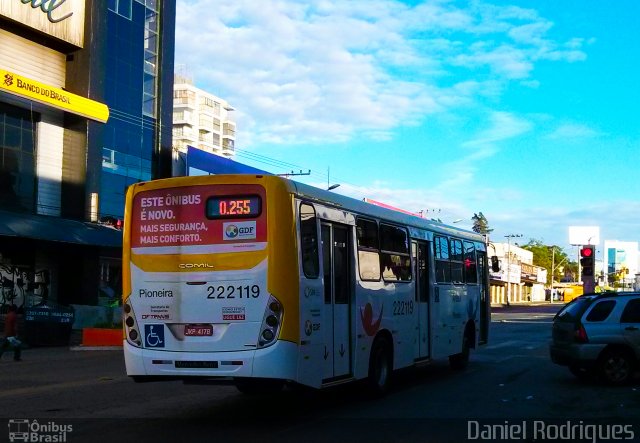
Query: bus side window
<point x="443" y="267"/>
<point x="470" y="268"/>
<point x="394" y="253"/>
<point x="368" y="250"/>
<point x="456" y="257"/>
<point x="309" y="241"/>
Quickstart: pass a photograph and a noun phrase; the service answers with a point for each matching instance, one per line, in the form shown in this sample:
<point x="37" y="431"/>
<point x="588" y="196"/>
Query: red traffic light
<point x="586" y="252"/>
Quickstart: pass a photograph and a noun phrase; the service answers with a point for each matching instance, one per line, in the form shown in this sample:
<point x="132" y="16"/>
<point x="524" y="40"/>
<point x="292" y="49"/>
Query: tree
<point x="546" y="256"/>
<point x="480" y="224"/>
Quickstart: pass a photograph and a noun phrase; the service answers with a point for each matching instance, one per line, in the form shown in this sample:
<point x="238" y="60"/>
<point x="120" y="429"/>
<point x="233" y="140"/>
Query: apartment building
<point x="201" y="120"/>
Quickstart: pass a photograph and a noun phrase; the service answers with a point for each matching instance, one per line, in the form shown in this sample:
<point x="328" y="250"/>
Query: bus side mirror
<point x="495" y="263"/>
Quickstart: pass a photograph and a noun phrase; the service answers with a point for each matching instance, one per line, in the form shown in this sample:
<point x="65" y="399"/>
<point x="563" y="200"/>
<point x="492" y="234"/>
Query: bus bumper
<point x="276" y="361"/>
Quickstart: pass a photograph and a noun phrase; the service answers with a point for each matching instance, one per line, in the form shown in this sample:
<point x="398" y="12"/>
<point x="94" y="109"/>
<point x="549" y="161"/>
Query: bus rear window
<point x="235" y="206"/>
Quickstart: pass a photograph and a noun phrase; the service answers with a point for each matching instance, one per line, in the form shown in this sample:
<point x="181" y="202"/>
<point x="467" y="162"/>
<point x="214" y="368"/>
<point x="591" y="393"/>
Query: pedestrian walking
<point x="11" y="334"/>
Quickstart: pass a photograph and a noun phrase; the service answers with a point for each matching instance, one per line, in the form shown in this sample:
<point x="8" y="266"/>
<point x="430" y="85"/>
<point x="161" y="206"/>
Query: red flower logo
<point x="367" y="320"/>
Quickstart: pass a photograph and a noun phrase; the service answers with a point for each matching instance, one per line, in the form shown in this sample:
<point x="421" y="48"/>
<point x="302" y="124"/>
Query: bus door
<point x="336" y="259"/>
<point x="483" y="269"/>
<point x="420" y="252"/>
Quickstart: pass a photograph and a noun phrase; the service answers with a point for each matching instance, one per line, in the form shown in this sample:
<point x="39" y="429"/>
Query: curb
<point x="95" y="348"/>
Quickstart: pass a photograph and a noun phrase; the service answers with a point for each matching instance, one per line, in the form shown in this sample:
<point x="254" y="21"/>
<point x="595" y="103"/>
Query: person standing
<point x="11" y="333"/>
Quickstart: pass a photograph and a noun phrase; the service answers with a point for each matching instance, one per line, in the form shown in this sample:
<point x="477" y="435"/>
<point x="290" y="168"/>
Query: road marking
<point x="521" y="344"/>
<point x="503" y="344"/>
<point x="523" y="314"/>
<point x="521" y="320"/>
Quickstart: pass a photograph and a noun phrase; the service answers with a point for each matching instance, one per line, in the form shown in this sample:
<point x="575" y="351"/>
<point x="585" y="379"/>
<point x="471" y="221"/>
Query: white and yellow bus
<point x="262" y="281"/>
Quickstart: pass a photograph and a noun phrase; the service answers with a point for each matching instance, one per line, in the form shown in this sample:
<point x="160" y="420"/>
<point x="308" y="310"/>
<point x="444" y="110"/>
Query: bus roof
<point x="326" y="197"/>
<point x="368" y="209"/>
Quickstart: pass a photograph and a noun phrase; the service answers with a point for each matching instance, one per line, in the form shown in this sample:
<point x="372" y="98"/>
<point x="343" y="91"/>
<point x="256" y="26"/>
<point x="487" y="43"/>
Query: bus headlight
<point x="131" y="326"/>
<point x="270" y="323"/>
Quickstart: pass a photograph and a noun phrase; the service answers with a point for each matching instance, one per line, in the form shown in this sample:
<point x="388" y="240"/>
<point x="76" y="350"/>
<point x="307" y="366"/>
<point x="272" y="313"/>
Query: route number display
<point x="237" y="206"/>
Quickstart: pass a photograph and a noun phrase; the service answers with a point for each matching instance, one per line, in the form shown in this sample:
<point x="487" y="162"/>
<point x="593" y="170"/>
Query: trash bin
<point x="48" y="325"/>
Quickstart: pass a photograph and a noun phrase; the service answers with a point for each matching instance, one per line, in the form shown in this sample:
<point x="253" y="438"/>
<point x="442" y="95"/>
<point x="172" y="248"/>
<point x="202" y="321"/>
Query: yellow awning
<point x="52" y="96"/>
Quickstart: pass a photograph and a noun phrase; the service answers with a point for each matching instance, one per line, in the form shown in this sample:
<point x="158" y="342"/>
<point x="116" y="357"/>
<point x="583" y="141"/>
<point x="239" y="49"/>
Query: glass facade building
<point x="132" y="57"/>
<point x="65" y="166"/>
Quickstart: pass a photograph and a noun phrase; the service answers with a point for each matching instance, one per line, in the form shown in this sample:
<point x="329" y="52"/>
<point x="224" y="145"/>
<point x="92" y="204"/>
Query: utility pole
<point x="553" y="259"/>
<point x="509" y="237"/>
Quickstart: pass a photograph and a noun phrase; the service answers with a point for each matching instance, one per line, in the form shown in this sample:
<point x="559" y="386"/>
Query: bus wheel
<point x="259" y="386"/>
<point x="461" y="360"/>
<point x="380" y="367"/>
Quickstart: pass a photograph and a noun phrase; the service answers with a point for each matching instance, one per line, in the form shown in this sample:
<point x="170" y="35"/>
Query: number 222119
<point x="224" y="292"/>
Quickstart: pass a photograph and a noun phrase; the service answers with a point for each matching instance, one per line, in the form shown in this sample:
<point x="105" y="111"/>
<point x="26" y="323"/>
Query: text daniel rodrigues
<point x="541" y="430"/>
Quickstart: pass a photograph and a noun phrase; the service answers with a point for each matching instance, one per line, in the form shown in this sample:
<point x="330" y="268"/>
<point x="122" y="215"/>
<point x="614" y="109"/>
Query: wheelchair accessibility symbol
<point x="154" y="336"/>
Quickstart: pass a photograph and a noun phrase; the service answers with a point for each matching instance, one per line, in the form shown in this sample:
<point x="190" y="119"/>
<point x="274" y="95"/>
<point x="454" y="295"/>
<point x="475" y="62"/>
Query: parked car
<point x="599" y="334"/>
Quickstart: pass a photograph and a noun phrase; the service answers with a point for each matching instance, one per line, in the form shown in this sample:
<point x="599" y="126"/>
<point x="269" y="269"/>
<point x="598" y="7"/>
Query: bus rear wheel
<point x="380" y="367"/>
<point x="461" y="361"/>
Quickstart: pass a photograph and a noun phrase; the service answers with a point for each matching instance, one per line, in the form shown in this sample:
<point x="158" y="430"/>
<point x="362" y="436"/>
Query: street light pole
<point x="331" y="187"/>
<point x="509" y="237"/>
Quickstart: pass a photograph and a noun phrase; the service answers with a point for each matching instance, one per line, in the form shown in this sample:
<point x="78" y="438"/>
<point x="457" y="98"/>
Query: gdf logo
<point x="231" y="231"/>
<point x="239" y="231"/>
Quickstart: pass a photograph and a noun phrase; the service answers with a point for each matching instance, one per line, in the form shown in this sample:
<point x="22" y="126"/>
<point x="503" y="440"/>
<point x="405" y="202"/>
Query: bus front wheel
<point x="380" y="366"/>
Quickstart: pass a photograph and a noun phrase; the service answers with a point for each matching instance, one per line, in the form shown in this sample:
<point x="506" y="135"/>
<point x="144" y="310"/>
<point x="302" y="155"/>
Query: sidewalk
<point x="558" y="303"/>
<point x="45" y="353"/>
<point x="532" y="308"/>
<point x="46" y="357"/>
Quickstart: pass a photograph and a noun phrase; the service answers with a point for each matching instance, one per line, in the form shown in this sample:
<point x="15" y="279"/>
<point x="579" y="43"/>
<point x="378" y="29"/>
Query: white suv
<point x="599" y="334"/>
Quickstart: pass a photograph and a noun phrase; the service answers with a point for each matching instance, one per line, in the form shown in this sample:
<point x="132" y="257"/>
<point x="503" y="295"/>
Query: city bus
<point x="261" y="281"/>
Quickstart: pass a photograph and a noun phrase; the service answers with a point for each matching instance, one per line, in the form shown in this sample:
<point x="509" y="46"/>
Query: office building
<point x="621" y="263"/>
<point x="86" y="92"/>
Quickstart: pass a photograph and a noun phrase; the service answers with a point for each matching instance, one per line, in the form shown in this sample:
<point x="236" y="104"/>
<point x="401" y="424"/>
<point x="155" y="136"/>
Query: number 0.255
<point x="234" y="207"/>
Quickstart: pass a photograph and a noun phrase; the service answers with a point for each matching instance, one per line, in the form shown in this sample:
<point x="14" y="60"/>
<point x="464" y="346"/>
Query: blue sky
<point x="526" y="111"/>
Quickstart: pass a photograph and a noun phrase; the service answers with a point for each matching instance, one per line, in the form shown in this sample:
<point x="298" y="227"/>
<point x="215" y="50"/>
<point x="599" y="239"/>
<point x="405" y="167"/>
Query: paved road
<point x="509" y="380"/>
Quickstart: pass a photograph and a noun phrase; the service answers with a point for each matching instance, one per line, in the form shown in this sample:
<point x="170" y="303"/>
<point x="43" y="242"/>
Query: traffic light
<point x="587" y="260"/>
<point x="495" y="263"/>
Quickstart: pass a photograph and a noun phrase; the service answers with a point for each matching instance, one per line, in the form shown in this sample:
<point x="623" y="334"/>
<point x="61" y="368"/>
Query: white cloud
<point x="533" y="84"/>
<point x="569" y="131"/>
<point x="329" y="71"/>
<point x="503" y="126"/>
<point x="432" y="202"/>
<point x="531" y="33"/>
<point x="505" y="60"/>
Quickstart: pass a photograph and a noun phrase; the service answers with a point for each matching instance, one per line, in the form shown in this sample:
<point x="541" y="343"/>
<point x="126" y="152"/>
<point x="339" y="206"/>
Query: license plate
<point x="198" y="330"/>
